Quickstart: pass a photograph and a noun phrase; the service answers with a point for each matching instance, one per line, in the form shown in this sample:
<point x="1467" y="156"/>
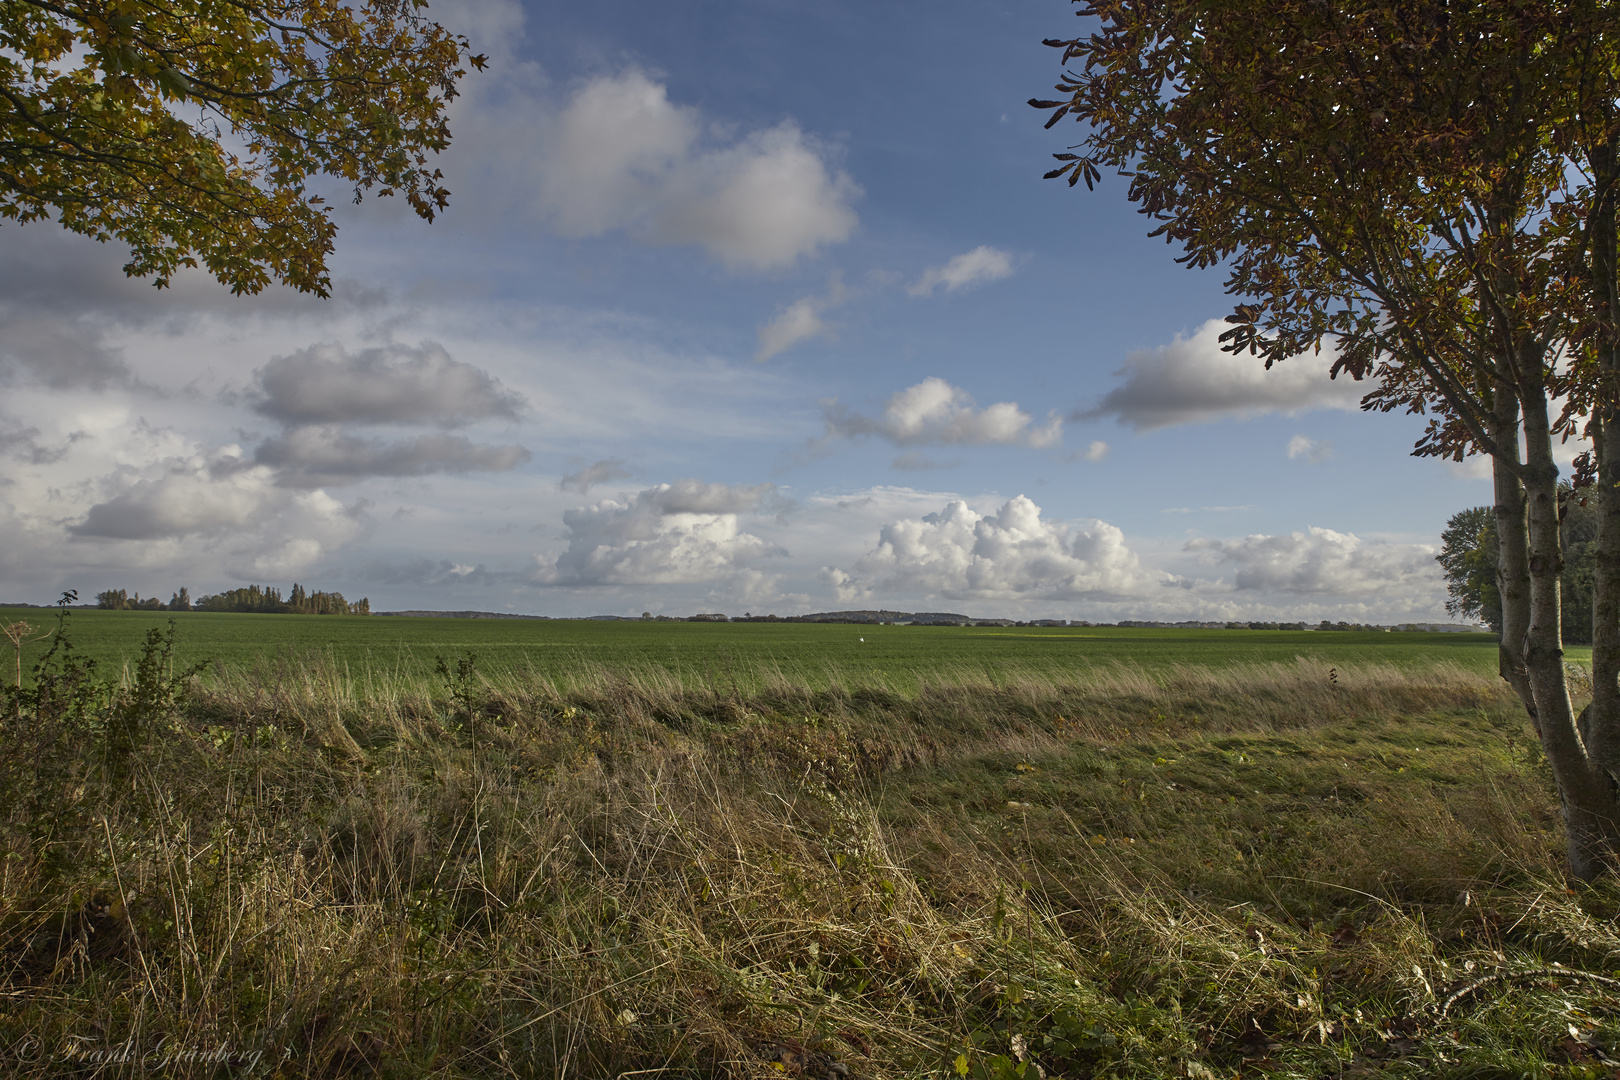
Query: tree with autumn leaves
<point x="1429" y="190"/>
<point x="189" y="129"/>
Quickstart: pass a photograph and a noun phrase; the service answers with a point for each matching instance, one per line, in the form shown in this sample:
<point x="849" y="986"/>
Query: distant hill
<point x="854" y="616"/>
<point x="869" y="616"/>
<point x="462" y="615"/>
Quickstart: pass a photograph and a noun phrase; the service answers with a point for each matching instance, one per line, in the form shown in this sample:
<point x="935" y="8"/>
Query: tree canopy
<point x="253" y="599"/>
<point x="1469" y="556"/>
<point x="189" y="129"/>
<point x="1372" y="176"/>
<point x="1429" y="190"/>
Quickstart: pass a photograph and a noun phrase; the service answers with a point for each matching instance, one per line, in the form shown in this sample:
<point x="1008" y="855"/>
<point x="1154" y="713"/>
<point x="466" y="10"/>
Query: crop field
<point x="745" y="654"/>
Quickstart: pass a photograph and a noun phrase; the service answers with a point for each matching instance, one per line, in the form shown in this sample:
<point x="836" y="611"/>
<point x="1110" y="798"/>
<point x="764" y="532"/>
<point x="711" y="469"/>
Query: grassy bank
<point x="1296" y="869"/>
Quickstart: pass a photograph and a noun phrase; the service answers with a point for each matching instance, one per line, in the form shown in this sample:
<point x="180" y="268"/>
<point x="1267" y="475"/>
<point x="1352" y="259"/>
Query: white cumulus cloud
<point x="1192" y="381"/>
<point x="1324" y="562"/>
<point x="1010" y="555"/>
<point x="683" y="533"/>
<point x="971" y="268"/>
<point x="621" y="155"/>
<point x="935" y="413"/>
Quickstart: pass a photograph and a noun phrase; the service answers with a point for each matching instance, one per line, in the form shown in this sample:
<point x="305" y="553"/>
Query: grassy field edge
<point x="1297" y="869"/>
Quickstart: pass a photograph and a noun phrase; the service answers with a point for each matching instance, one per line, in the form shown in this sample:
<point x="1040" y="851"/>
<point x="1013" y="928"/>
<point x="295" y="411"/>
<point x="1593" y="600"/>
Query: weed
<point x="152" y="695"/>
<point x="18" y="634"/>
<point x="64" y="688"/>
<point x="460" y="682"/>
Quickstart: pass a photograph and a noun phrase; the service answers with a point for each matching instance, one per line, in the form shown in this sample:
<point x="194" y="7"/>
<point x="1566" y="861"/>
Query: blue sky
<point x="738" y="306"/>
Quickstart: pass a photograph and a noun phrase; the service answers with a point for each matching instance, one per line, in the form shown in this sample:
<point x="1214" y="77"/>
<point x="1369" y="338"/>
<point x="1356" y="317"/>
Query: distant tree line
<point x="1468" y="552"/>
<point x="119" y="600"/>
<point x="265" y="600"/>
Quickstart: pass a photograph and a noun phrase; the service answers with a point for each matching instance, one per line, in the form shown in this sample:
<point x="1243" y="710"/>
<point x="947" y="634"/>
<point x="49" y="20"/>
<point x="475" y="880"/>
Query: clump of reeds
<point x="313" y="872"/>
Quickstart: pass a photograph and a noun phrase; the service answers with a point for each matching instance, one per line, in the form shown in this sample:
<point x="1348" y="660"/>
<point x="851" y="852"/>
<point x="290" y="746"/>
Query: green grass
<point x="1291" y="869"/>
<point x="808" y="654"/>
<point x="753" y="850"/>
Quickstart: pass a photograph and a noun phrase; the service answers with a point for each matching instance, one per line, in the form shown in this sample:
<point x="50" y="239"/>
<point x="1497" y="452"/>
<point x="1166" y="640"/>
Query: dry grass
<point x="1193" y="873"/>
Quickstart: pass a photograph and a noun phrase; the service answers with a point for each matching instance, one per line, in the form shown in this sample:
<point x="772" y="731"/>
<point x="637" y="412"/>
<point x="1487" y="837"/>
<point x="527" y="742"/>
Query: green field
<point x="813" y="654"/>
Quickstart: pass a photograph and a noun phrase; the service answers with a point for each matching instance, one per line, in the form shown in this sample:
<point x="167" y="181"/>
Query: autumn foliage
<point x="1428" y="190"/>
<point x="190" y="129"/>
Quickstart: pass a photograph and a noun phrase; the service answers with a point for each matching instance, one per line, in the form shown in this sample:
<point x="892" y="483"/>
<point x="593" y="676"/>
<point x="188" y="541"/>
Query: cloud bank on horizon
<point x="713" y="333"/>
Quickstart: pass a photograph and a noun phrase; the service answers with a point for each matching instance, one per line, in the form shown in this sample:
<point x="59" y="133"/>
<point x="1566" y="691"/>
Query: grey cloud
<point x="201" y="496"/>
<point x="315" y="456"/>
<point x="66" y="306"/>
<point x="394" y="384"/>
<point x="696" y="497"/>
<point x="1192" y="381"/>
<point x="18" y="439"/>
<point x="50" y="271"/>
<point x="601" y="472"/>
<point x="433" y="572"/>
<point x="24" y="445"/>
<point x="60" y="353"/>
<point x="154" y="510"/>
<point x="46" y="270"/>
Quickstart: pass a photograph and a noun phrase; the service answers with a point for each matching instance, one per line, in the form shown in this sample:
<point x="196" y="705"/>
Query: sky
<point x="739" y="306"/>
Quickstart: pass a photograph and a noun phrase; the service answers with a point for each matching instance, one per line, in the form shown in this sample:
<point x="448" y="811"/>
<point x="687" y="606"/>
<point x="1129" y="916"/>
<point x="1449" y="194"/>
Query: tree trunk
<point x="1602" y="727"/>
<point x="1591" y="813"/>
<point x="1512" y="548"/>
